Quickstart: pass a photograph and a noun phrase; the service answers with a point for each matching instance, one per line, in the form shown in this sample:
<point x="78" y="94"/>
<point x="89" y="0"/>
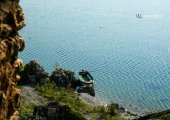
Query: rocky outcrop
<point x="55" y="111"/>
<point x="66" y="78"/>
<point x="62" y="77"/>
<point x="11" y="20"/>
<point x="33" y="73"/>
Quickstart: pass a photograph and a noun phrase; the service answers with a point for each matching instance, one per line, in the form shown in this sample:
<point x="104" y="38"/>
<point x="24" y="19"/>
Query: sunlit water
<point x="128" y="57"/>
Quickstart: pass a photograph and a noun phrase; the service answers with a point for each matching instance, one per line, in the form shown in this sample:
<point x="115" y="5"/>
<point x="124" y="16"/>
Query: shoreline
<point x="125" y="113"/>
<point x="94" y="101"/>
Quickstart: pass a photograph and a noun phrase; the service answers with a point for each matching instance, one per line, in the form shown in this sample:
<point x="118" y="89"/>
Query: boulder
<point x="55" y="111"/>
<point x="62" y="77"/>
<point x="33" y="73"/>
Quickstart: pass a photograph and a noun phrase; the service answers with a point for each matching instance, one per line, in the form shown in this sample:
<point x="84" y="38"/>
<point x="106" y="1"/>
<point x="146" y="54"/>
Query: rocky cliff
<point x="11" y="20"/>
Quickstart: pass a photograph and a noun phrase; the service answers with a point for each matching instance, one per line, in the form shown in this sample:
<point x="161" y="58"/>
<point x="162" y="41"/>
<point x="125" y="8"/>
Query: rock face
<point x="11" y="20"/>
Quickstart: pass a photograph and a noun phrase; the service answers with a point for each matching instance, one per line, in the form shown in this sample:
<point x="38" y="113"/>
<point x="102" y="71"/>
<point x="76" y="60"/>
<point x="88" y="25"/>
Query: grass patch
<point x="25" y="109"/>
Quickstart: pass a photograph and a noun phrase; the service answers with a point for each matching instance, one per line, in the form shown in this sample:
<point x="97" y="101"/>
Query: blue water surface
<point x="128" y="57"/>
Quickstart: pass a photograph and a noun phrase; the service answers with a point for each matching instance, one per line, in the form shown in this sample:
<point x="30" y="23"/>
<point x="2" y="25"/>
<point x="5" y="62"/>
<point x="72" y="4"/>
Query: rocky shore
<point x="31" y="96"/>
<point x="94" y="101"/>
<point x="34" y="74"/>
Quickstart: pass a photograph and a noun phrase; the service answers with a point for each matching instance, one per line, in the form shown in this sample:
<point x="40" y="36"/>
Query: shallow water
<point x="128" y="57"/>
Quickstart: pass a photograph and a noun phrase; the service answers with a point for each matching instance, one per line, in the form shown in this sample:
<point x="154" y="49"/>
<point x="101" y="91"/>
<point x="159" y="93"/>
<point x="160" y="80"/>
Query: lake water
<point x="129" y="57"/>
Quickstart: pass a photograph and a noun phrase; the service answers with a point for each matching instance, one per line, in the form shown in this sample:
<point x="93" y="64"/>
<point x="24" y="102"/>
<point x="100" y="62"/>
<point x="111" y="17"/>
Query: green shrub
<point x="112" y="109"/>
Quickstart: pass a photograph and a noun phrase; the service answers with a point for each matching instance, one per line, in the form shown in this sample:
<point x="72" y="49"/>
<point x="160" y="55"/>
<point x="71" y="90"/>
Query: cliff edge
<point x="11" y="21"/>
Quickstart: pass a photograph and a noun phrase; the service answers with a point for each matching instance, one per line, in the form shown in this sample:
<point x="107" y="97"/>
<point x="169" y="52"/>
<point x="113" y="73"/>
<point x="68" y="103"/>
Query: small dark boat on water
<point x="87" y="82"/>
<point x="85" y="77"/>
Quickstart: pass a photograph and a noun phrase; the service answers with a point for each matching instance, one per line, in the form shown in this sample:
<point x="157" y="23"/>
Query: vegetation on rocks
<point x="29" y="98"/>
<point x="64" y="95"/>
<point x="48" y="92"/>
<point x="67" y="96"/>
